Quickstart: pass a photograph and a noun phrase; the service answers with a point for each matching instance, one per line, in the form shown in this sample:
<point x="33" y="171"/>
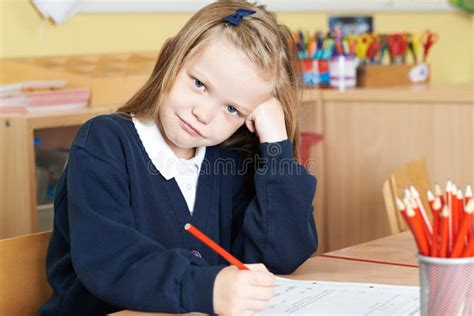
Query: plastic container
<point x="342" y="71"/>
<point x="310" y="69"/>
<point x="446" y="286"/>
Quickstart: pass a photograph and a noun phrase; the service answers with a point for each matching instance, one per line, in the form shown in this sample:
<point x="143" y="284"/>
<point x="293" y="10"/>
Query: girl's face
<point x="214" y="92"/>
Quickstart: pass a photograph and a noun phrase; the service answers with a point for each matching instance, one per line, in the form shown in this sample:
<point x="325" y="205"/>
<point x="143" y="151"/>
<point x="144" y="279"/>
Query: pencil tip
<point x="448" y="186"/>
<point x="454" y="189"/>
<point x="400" y="205"/>
<point x="407" y="193"/>
<point x="414" y="192"/>
<point x="470" y="207"/>
<point x="430" y="196"/>
<point x="445" y="211"/>
<point x="468" y="191"/>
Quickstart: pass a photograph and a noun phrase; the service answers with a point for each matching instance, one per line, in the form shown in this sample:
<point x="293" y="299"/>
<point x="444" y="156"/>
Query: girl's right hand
<point x="243" y="292"/>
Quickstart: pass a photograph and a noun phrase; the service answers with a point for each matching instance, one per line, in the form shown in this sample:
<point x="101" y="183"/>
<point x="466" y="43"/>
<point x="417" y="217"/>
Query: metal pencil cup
<point x="446" y="286"/>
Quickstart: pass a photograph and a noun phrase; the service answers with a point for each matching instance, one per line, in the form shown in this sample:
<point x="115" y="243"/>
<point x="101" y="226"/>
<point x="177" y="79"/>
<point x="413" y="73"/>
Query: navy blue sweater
<point x="119" y="241"/>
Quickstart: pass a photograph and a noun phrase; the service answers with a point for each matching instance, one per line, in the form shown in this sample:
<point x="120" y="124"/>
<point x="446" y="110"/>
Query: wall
<point x="24" y="33"/>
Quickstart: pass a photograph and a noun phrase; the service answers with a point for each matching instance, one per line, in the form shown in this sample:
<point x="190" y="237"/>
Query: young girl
<point x="181" y="150"/>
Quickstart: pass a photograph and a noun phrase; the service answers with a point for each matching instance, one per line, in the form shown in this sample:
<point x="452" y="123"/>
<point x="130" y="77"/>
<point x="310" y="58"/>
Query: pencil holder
<point x="310" y="69"/>
<point x="342" y="70"/>
<point x="446" y="286"/>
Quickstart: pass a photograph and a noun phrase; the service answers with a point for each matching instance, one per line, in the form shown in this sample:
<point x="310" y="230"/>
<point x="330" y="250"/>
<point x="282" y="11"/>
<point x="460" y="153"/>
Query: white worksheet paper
<point x="338" y="298"/>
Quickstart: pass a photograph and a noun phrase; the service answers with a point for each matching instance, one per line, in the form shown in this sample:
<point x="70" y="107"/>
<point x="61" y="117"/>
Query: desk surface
<point x="389" y="260"/>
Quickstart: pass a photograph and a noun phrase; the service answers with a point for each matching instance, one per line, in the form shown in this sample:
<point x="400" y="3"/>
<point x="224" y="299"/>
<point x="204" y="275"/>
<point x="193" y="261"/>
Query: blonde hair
<point x="267" y="44"/>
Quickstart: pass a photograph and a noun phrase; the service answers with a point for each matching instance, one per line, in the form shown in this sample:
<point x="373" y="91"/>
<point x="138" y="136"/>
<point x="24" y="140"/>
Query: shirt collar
<point x="162" y="156"/>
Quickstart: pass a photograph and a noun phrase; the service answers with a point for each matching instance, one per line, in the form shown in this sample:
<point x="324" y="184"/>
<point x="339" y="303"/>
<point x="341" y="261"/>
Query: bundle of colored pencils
<point x="451" y="232"/>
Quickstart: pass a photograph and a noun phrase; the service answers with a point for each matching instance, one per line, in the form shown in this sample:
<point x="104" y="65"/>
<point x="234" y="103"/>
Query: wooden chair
<point x="413" y="173"/>
<point x="23" y="285"/>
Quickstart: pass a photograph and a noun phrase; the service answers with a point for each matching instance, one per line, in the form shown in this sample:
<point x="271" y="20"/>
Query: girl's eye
<point x="232" y="109"/>
<point x="199" y="84"/>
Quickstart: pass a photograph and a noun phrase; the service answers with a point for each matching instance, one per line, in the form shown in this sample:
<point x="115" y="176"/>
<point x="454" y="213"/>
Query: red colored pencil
<point x="468" y="194"/>
<point x="461" y="236"/>
<point x="460" y="206"/>
<point x="211" y="244"/>
<point x="415" y="222"/>
<point x="401" y="207"/>
<point x="421" y="208"/>
<point x="455" y="212"/>
<point x="469" y="249"/>
<point x="435" y="204"/>
<point x="450" y="216"/>
<point x="439" y="194"/>
<point x="444" y="229"/>
<point x="467" y="199"/>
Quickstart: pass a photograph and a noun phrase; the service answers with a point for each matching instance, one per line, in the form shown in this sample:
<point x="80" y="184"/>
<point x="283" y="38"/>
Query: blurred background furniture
<point x="368" y="133"/>
<point x="413" y="173"/>
<point x="23" y="284"/>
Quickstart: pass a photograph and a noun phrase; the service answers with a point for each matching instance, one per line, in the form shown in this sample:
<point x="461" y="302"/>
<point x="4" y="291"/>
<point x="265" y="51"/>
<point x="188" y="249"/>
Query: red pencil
<point x="463" y="229"/>
<point x="444" y="223"/>
<point x="415" y="223"/>
<point x="401" y="207"/>
<point x="435" y="204"/>
<point x="460" y="206"/>
<point x="455" y="213"/>
<point x="450" y="218"/>
<point x="467" y="198"/>
<point x="211" y="244"/>
<point x="416" y="198"/>
<point x="468" y="194"/>
<point x="439" y="193"/>
<point x="469" y="249"/>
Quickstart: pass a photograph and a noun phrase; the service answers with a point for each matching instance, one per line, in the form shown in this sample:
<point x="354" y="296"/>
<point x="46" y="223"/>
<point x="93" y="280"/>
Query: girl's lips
<point x="189" y="128"/>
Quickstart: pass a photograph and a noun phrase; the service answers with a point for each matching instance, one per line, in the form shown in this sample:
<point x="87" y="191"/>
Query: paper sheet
<point x="336" y="298"/>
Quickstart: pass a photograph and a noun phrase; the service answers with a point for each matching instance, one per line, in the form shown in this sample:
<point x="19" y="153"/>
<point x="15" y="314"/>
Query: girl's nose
<point x="203" y="113"/>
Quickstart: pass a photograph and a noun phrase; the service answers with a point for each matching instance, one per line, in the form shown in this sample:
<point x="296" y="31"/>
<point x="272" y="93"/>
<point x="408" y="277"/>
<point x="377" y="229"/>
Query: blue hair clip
<point x="236" y="18"/>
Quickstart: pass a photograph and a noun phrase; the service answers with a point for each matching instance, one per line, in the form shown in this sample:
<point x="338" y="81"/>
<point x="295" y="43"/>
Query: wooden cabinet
<point x="370" y="132"/>
<point x="112" y="78"/>
<point x="18" y="208"/>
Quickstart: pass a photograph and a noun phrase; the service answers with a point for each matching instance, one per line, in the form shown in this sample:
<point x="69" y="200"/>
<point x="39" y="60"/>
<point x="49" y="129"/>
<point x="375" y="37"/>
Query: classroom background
<point x="452" y="59"/>
<point x="365" y="145"/>
<point x="351" y="140"/>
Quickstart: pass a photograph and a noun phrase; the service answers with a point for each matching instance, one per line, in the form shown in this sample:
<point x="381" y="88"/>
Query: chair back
<point x="413" y="173"/>
<point x="23" y="285"/>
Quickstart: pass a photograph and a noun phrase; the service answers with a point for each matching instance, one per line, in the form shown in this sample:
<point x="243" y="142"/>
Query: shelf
<point x="56" y="119"/>
<point x="45" y="207"/>
<point x="415" y="93"/>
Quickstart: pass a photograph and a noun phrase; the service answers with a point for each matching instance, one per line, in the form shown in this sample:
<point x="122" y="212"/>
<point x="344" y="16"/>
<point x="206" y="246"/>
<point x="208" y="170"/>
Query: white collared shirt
<point x="185" y="172"/>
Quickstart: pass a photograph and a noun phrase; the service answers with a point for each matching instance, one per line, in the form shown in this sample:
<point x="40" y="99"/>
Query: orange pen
<point x="211" y="244"/>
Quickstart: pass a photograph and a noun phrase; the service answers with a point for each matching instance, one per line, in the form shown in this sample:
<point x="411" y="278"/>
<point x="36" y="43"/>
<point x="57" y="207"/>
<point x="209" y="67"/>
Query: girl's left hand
<point x="268" y="121"/>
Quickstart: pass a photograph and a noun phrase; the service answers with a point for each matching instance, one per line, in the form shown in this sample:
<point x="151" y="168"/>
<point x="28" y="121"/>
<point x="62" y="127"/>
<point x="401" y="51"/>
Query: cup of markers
<point x="445" y="248"/>
<point x="314" y="53"/>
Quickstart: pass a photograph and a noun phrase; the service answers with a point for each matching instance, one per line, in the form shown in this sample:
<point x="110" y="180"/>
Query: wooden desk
<point x="347" y="265"/>
<point x="394" y="250"/>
